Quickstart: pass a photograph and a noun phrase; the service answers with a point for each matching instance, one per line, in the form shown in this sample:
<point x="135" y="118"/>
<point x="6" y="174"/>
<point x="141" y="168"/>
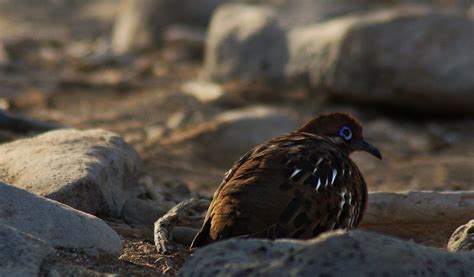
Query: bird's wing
<point x="282" y="188"/>
<point x="203" y="238"/>
<point x="328" y="192"/>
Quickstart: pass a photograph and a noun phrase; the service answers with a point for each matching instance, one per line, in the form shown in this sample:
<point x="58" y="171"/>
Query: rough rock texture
<point x="55" y="223"/>
<point x="21" y="254"/>
<point x="427" y="217"/>
<point x="411" y="57"/>
<point x="340" y="253"/>
<point x="94" y="171"/>
<point x="463" y="238"/>
<point x="234" y="132"/>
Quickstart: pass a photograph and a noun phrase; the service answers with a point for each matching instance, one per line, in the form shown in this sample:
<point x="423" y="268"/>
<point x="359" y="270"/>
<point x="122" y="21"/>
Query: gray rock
<point x="144" y="211"/>
<point x="339" y="253"/>
<point x="419" y="60"/>
<point x="234" y="132"/>
<point x="245" y="42"/>
<point x="55" y="223"/>
<point x="94" y="171"/>
<point x="463" y="238"/>
<point x="359" y="57"/>
<point x="21" y="254"/>
<point x="141" y="23"/>
<point x="424" y="216"/>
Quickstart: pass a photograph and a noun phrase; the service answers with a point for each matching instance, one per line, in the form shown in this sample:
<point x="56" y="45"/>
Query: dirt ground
<point x="55" y="65"/>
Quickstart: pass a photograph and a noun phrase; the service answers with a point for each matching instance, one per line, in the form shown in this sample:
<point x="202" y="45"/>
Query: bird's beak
<point x="363" y="145"/>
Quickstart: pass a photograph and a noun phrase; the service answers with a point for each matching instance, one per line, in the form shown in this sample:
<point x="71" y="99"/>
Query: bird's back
<point x="293" y="186"/>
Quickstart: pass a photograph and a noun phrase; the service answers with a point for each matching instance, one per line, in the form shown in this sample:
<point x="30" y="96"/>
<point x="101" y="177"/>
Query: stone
<point x="205" y="92"/>
<point x="56" y="224"/>
<point x="338" y="253"/>
<point x="94" y="171"/>
<point x="140" y="24"/>
<point x="21" y="254"/>
<point x="183" y="214"/>
<point x="424" y="216"/>
<point x="144" y="211"/>
<point x="375" y="61"/>
<point x="255" y="49"/>
<point x="233" y="133"/>
<point x="356" y="57"/>
<point x="463" y="238"/>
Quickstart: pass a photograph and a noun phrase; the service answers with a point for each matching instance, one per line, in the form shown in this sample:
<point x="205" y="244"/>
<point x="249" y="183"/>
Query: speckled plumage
<point x="296" y="185"/>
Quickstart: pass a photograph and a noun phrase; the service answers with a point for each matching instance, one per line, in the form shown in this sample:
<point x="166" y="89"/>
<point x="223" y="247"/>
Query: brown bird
<point x="296" y="185"/>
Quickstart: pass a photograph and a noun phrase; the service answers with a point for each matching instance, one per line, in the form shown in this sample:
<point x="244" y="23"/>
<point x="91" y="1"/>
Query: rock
<point x="144" y="211"/>
<point x="140" y="24"/>
<point x="359" y="57"/>
<point x="21" y="254"/>
<point x="233" y="133"/>
<point x="94" y="171"/>
<point x="338" y="253"/>
<point x="373" y="63"/>
<point x="205" y="92"/>
<point x="185" y="213"/>
<point x="55" y="223"/>
<point x="463" y="238"/>
<point x="184" y="235"/>
<point x="245" y="42"/>
<point x="426" y="217"/>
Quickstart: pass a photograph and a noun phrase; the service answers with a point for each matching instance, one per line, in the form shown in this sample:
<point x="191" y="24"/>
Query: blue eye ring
<point x="345" y="133"/>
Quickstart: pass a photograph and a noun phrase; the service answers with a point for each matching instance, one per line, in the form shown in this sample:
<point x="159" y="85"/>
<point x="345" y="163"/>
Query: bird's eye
<point x="345" y="133"/>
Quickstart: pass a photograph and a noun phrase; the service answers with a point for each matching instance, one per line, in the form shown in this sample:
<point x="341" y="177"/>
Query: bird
<point x="296" y="185"/>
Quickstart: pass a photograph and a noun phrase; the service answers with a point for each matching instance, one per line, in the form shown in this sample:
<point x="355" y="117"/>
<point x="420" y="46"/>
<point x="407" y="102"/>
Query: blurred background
<point x="193" y="85"/>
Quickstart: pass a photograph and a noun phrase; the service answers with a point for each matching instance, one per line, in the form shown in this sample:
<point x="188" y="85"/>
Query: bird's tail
<point x="202" y="238"/>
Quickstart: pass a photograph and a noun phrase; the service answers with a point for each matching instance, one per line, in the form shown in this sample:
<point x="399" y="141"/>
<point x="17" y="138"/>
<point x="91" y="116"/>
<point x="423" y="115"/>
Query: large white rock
<point x="56" y="224"/>
<point x="21" y="254"/>
<point x="94" y="171"/>
<point x="339" y="253"/>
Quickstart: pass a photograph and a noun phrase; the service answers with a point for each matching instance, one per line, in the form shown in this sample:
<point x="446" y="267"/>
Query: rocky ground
<point x="170" y="133"/>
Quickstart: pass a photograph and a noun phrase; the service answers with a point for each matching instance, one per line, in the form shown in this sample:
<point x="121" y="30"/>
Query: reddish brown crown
<point x="330" y="124"/>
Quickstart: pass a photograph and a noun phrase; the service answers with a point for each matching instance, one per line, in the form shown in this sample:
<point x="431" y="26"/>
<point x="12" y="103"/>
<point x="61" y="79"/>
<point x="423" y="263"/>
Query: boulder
<point x="408" y="57"/>
<point x="21" y="254"/>
<point x="463" y="238"/>
<point x="418" y="60"/>
<point x="233" y="133"/>
<point x="340" y="253"/>
<point x="253" y="50"/>
<point x="55" y="223"/>
<point x="94" y="171"/>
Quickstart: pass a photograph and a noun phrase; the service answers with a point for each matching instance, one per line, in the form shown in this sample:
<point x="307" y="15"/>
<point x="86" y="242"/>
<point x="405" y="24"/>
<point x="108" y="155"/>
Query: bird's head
<point x="343" y="130"/>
